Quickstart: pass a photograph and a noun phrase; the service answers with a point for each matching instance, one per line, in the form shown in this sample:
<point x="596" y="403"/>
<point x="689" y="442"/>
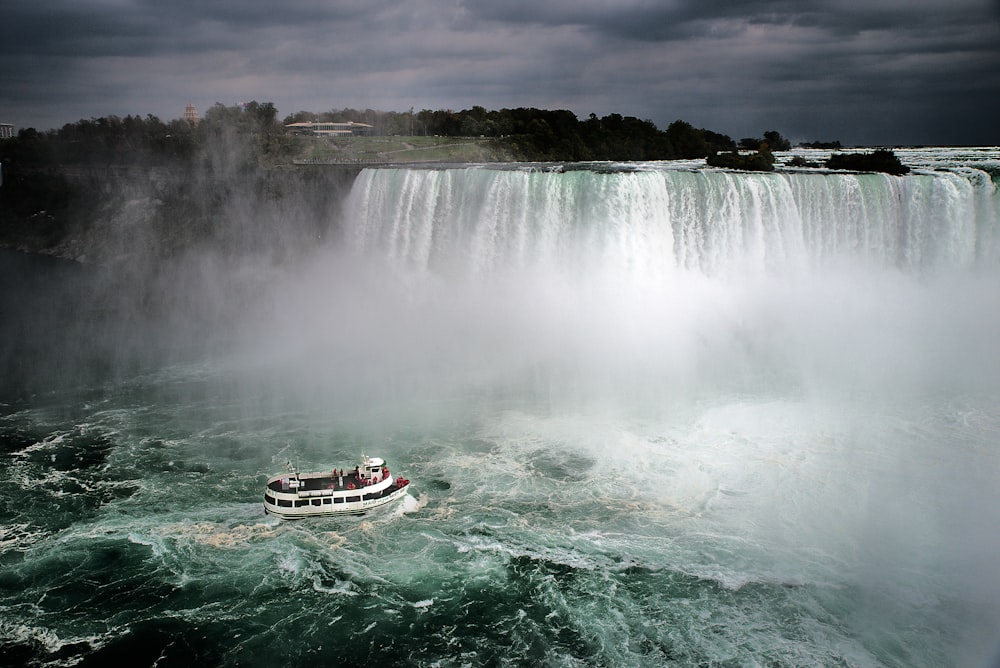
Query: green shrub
<point x="758" y="161"/>
<point x="876" y="161"/>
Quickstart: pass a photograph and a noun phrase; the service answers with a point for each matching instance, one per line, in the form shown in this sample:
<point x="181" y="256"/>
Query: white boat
<point x="293" y="495"/>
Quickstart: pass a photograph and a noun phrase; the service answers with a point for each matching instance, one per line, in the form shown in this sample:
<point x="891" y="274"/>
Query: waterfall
<point x="650" y="223"/>
<point x="677" y="276"/>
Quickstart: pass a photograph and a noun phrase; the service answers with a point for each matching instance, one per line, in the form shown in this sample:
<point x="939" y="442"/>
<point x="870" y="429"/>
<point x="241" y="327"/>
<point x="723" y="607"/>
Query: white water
<point x="674" y="280"/>
<point x="649" y="224"/>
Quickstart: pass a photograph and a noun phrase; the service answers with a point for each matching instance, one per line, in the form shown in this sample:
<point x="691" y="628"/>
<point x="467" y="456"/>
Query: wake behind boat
<point x="293" y="495"/>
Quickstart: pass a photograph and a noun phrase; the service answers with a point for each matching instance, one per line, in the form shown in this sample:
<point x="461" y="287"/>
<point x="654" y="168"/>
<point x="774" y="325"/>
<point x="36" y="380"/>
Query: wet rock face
<point x="140" y="215"/>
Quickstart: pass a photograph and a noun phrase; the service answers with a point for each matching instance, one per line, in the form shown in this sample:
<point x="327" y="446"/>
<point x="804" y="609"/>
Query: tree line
<point x="253" y="132"/>
<point x="149" y="141"/>
<point x="250" y="135"/>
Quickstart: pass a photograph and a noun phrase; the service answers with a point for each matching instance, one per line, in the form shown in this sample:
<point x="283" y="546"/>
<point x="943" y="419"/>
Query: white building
<point x="6" y="131"/>
<point x="330" y="129"/>
<point x="191" y="114"/>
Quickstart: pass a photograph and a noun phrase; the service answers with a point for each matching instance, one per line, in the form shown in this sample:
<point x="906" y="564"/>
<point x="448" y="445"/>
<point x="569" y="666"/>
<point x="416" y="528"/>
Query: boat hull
<point x="332" y="510"/>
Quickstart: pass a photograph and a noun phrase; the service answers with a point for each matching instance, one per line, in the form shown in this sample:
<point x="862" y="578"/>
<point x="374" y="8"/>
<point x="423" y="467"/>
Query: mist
<point x="449" y="288"/>
<point x="620" y="287"/>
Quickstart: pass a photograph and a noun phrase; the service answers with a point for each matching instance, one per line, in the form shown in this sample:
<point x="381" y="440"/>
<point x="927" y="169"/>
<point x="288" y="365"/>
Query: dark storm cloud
<point x="913" y="71"/>
<point x="683" y="19"/>
<point x="892" y="71"/>
<point x="89" y="29"/>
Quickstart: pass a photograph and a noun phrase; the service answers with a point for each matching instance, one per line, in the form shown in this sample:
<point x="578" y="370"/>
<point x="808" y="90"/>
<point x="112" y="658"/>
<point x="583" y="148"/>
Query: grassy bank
<point x="396" y="150"/>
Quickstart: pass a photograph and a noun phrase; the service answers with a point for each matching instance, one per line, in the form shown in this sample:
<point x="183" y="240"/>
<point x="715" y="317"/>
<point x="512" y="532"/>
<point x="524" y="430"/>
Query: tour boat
<point x="293" y="495"/>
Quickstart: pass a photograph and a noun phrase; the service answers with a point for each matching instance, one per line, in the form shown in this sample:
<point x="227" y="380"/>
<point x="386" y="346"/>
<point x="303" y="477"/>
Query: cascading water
<point x="713" y="274"/>
<point x="653" y="415"/>
<point x="648" y="224"/>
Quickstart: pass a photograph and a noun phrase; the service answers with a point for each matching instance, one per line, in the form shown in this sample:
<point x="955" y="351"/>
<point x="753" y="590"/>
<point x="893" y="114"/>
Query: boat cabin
<point x="374" y="468"/>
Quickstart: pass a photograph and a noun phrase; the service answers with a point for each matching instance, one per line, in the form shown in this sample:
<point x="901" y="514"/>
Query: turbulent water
<point x="653" y="414"/>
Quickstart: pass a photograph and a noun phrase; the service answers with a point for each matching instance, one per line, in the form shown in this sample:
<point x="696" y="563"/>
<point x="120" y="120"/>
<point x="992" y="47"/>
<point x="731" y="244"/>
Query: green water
<point x="741" y="530"/>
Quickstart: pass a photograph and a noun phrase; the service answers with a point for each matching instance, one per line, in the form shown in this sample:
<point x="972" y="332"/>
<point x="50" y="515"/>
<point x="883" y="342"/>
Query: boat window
<point x="285" y="503"/>
<point x="317" y="502"/>
<point x="326" y="501"/>
<point x="267" y="499"/>
<point x="339" y="499"/>
<point x="304" y="502"/>
<point x="352" y="499"/>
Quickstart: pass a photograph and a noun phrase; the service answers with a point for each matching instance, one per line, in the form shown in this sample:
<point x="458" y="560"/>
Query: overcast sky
<point x="861" y="71"/>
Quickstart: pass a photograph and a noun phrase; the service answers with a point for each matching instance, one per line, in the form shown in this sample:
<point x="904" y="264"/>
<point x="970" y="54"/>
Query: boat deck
<point x="347" y="481"/>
